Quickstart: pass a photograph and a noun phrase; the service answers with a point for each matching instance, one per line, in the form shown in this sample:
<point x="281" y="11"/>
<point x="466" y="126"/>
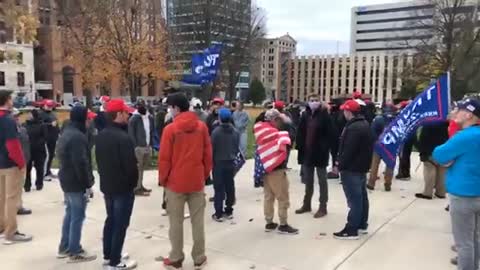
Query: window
<point x="2" y="78"/>
<point x="20" y="78"/>
<point x="20" y="58"/>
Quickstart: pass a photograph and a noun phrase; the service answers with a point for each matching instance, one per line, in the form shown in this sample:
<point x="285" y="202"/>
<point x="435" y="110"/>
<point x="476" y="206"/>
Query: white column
<point x="322" y="84"/>
<point x="328" y="86"/>
<point x="389" y="77"/>
<point x="296" y="94"/>
<point x="351" y="80"/>
<point x="401" y="59"/>
<point x="381" y="78"/>
<point x="358" y="85"/>
<point x="336" y="68"/>
<point x="368" y="71"/>
<point x="316" y="75"/>
<point x="374" y="85"/>
<point x="302" y="77"/>
<point x="343" y="87"/>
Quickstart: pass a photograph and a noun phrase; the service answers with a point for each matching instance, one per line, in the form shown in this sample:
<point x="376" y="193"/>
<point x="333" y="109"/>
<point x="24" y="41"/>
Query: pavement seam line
<point x="370" y="236"/>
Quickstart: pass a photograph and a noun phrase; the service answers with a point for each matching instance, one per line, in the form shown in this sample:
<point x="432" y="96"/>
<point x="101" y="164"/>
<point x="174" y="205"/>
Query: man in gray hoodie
<point x="225" y="143"/>
<point x="241" y="120"/>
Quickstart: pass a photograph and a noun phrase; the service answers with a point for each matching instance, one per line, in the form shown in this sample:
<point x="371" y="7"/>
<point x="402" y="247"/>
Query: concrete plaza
<point x="405" y="233"/>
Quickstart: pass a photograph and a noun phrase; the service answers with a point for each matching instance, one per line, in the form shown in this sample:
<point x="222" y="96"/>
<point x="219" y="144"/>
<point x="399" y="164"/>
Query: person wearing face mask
<point x="315" y="137"/>
<point x="460" y="156"/>
<point x="184" y="162"/>
<point x="141" y="129"/>
<point x="118" y="180"/>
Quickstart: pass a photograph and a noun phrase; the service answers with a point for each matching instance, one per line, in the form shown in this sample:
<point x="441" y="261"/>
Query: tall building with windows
<point x="333" y="76"/>
<point x="16" y="57"/>
<point x="397" y="27"/>
<point x="194" y="25"/>
<point x="274" y="60"/>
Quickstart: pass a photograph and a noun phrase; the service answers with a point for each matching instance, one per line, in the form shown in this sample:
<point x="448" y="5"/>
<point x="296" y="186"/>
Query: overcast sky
<point x="317" y="25"/>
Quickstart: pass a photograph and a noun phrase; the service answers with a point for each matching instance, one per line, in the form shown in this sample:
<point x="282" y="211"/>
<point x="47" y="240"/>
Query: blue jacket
<point x="463" y="177"/>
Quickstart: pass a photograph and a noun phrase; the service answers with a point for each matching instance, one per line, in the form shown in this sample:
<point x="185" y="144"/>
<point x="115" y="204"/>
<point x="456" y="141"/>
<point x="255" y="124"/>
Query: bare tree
<point x="450" y="41"/>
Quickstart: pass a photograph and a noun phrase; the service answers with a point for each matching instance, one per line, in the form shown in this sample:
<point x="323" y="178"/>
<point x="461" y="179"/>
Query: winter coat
<point x="431" y="136"/>
<point x="37" y="133"/>
<point x="356" y="146"/>
<point x="323" y="137"/>
<point x="117" y="164"/>
<point x="225" y="143"/>
<point x="136" y="130"/>
<point x="185" y="158"/>
<point x="73" y="152"/>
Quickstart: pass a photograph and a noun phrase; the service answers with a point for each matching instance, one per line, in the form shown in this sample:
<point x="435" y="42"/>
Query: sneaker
<point x="172" y="265"/>
<point x="369" y="187"/>
<point x="363" y="231"/>
<point x="440" y="196"/>
<point x="164" y="213"/>
<point x="388" y="188"/>
<point x="304" y="209"/>
<point x="346" y="235"/>
<point x="217" y="219"/>
<point x="63" y="254"/>
<point x="287" y="229"/>
<point x="82" y="257"/>
<point x="17" y="238"/>
<point x="39" y="188"/>
<point x="270" y="227"/>
<point x="454" y="261"/>
<point x="125" y="256"/>
<point x="200" y="266"/>
<point x="146" y="189"/>
<point x="28" y="189"/>
<point x="124" y="265"/>
<point x="24" y="211"/>
<point x="421" y="196"/>
<point x="228" y="216"/>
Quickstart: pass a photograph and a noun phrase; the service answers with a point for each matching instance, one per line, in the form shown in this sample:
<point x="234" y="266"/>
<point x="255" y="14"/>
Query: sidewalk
<point x="405" y="233"/>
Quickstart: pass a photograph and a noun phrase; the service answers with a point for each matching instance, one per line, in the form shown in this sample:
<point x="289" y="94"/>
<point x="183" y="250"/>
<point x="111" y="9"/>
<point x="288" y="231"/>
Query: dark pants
<point x="37" y="160"/>
<point x="404" y="167"/>
<point x="354" y="186"/>
<point x="224" y="187"/>
<point x="119" y="209"/>
<point x="51" y="144"/>
<point x="308" y="179"/>
<point x="75" y="206"/>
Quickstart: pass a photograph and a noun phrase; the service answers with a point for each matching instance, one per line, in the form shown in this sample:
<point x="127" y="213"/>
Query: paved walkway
<point x="405" y="233"/>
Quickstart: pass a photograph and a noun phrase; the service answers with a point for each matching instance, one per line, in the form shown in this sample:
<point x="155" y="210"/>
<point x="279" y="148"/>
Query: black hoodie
<point x="73" y="153"/>
<point x="225" y="143"/>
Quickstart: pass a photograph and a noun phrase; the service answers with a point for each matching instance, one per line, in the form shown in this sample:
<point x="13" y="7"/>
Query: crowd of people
<point x="196" y="147"/>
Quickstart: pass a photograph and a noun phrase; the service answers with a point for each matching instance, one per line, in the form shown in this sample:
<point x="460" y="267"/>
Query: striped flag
<point x="259" y="172"/>
<point x="271" y="146"/>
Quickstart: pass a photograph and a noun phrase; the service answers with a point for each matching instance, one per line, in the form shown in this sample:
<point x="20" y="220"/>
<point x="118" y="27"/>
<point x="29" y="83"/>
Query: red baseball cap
<point x="279" y="105"/>
<point x="404" y="104"/>
<point x="91" y="115"/>
<point x="357" y="94"/>
<point x="50" y="103"/>
<point x="351" y="106"/>
<point x="218" y="100"/>
<point x="118" y="105"/>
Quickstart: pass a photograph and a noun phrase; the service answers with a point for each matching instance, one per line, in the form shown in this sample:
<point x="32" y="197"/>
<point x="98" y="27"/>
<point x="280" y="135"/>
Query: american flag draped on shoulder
<point x="270" y="152"/>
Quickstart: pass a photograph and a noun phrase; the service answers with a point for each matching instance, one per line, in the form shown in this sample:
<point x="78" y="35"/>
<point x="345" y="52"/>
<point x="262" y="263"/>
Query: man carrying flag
<point x="272" y="163"/>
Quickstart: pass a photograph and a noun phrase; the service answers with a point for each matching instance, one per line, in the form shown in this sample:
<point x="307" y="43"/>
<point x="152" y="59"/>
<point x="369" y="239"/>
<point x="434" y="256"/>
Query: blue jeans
<point x="119" y="209"/>
<point x="354" y="186"/>
<point x="224" y="186"/>
<point x="75" y="206"/>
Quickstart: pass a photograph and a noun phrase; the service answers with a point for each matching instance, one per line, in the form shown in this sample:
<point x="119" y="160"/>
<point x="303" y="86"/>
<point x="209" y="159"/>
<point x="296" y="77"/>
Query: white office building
<point x="17" y="69"/>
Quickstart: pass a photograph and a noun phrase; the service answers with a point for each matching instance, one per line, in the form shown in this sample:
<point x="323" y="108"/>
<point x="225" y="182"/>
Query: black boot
<point x="304" y="209"/>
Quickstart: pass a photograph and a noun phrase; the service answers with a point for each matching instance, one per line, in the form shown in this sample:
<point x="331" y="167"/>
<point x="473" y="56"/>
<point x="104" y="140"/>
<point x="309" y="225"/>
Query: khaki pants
<point x="143" y="158"/>
<point x="434" y="177"/>
<point x="275" y="186"/>
<point x="175" y="208"/>
<point x="11" y="183"/>
<point x="374" y="172"/>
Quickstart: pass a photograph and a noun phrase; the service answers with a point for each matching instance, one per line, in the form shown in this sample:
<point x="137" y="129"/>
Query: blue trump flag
<point x="430" y="106"/>
<point x="205" y="65"/>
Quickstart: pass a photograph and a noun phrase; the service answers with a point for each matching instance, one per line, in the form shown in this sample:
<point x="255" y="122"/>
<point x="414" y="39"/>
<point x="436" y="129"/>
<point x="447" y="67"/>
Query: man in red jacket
<point x="184" y="162"/>
<point x="12" y="171"/>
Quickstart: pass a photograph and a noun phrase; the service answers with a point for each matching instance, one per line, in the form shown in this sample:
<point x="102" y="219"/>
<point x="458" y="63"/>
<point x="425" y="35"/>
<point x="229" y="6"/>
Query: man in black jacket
<point x="37" y="133"/>
<point x="314" y="140"/>
<point x="117" y="166"/>
<point x="141" y="129"/>
<point x="431" y="136"/>
<point x="53" y="130"/>
<point x="76" y="179"/>
<point x="355" y="155"/>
